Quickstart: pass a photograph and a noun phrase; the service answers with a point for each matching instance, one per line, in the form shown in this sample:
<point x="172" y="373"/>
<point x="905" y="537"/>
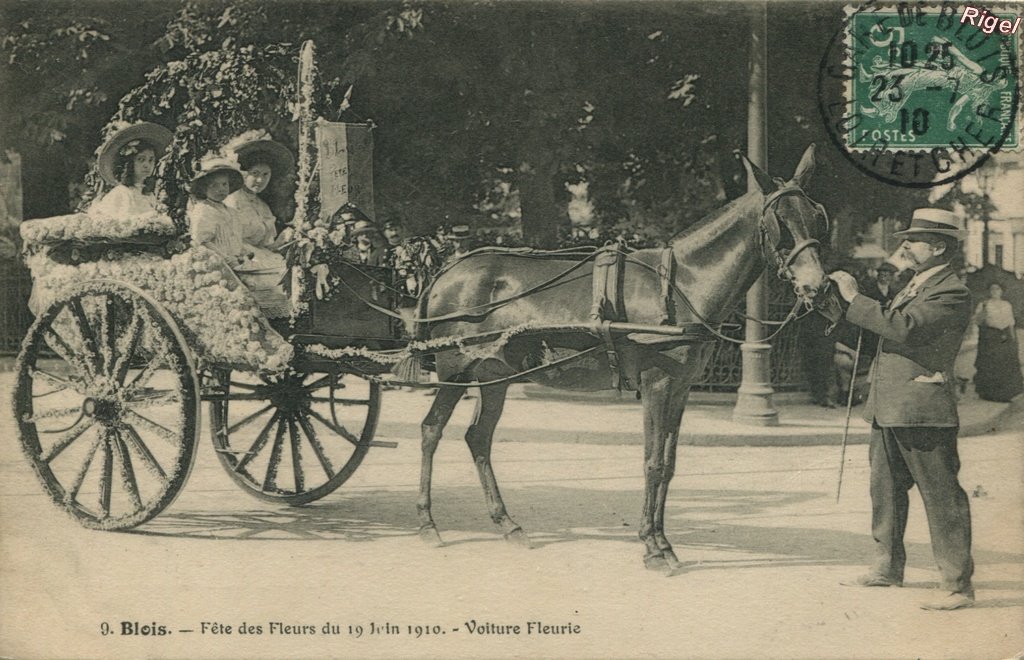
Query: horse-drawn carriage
<point x="135" y="330"/>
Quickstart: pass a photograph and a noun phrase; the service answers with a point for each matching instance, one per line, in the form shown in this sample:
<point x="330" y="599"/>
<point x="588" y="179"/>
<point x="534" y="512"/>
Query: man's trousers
<point x="926" y="456"/>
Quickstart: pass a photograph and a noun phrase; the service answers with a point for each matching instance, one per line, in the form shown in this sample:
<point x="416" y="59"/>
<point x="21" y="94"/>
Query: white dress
<point x="124" y="202"/>
<point x="219" y="228"/>
<point x="258" y="222"/>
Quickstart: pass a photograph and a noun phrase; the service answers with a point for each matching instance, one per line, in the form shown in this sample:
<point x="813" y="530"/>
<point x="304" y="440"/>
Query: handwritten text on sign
<point x="346" y="166"/>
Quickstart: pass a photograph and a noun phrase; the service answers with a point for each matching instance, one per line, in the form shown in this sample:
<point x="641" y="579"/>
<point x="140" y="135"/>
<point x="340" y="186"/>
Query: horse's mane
<point x="706" y="220"/>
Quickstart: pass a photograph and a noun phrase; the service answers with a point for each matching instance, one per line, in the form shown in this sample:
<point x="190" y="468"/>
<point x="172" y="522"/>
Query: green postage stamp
<point x="933" y="77"/>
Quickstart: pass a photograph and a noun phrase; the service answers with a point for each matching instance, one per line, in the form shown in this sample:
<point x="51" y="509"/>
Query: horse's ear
<point x="765" y="183"/>
<point x="805" y="168"/>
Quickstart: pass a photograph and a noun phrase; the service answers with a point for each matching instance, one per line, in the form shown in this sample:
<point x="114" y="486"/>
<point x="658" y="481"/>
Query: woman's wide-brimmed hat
<point x="259" y="142"/>
<point x="216" y="165"/>
<point x="154" y="134"/>
<point x="934" y="221"/>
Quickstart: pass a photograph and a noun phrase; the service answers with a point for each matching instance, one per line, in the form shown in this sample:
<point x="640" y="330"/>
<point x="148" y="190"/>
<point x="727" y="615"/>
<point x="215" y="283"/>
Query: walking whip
<point x="849" y="409"/>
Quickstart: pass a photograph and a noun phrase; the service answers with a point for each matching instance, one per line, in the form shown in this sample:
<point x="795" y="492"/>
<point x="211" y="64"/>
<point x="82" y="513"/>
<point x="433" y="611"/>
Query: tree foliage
<point x="484" y="110"/>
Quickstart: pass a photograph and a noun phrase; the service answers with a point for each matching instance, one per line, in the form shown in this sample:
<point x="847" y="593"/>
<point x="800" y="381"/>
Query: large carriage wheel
<point x="107" y="404"/>
<point x="292" y="438"/>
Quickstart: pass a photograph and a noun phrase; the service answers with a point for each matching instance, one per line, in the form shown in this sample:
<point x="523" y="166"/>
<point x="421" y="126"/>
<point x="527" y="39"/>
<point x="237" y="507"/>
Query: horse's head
<point x="792" y="227"/>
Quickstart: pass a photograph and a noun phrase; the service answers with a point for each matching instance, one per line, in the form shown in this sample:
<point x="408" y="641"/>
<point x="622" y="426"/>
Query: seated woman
<point x="127" y="162"/>
<point x="263" y="161"/>
<point x="218" y="227"/>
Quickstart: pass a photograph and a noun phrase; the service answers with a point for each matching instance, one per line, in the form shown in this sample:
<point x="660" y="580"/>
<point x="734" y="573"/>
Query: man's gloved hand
<point x="847" y="284"/>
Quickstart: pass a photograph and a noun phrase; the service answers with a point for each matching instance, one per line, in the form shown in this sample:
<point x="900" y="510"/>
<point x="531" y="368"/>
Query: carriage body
<point x="135" y="329"/>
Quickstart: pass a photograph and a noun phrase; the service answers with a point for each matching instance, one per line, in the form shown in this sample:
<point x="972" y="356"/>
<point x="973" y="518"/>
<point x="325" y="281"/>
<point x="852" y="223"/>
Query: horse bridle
<point x="771" y="231"/>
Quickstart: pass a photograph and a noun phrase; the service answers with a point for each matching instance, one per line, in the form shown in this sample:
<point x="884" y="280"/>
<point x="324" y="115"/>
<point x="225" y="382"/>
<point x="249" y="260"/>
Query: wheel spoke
<point x="55" y="381"/>
<point x="88" y="337"/>
<point x="108" y="336"/>
<point x="124" y="358"/>
<point x="340" y="430"/>
<point x="71" y="494"/>
<point x="61" y="348"/>
<point x="257" y="446"/>
<point x="235" y="397"/>
<point x="127" y="473"/>
<point x="246" y="386"/>
<point x="55" y="412"/>
<point x="135" y="440"/>
<point x="107" y="476"/>
<point x="248" y="418"/>
<point x="275" y="459"/>
<point x="344" y="402"/>
<point x="156" y="398"/>
<point x="318" y="448"/>
<point x="293" y="433"/>
<point x="65" y="441"/>
<point x="153" y="427"/>
<point x="318" y="383"/>
<point x="141" y="378"/>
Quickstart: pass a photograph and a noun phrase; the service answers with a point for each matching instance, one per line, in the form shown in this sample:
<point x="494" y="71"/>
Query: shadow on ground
<point x="701" y="524"/>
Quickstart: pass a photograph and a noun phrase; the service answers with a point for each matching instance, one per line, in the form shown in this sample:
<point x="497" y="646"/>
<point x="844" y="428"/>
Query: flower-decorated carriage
<point x="135" y="329"/>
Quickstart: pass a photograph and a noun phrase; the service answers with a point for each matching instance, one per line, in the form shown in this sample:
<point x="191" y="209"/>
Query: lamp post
<point x="754" y="399"/>
<point x="985" y="174"/>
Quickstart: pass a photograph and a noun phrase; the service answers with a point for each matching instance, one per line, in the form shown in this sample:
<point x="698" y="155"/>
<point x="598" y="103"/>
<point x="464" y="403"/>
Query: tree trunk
<point x="541" y="215"/>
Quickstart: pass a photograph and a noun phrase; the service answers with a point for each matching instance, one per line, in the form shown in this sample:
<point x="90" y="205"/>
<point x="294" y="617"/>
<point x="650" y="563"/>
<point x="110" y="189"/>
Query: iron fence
<point x="15" y="319"/>
<point x="725" y="366"/>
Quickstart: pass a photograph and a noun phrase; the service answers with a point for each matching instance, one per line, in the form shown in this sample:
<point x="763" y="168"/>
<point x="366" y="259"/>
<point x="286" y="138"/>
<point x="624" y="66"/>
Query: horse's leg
<point x="672" y="416"/>
<point x="431" y="431"/>
<point x="479" y="437"/>
<point x="654" y="391"/>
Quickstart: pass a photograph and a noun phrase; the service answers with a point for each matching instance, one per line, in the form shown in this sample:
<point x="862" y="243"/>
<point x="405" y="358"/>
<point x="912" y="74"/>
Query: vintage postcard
<point x="589" y="329"/>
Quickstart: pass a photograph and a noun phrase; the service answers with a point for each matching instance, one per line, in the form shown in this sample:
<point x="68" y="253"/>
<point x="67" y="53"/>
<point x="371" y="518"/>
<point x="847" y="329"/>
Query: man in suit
<point x="912" y="407"/>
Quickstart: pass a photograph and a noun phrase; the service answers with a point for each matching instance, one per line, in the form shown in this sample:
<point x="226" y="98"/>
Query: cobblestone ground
<point x="765" y="545"/>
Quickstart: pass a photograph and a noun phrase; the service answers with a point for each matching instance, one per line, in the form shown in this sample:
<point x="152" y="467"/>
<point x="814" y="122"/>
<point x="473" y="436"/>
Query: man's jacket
<point x="912" y="375"/>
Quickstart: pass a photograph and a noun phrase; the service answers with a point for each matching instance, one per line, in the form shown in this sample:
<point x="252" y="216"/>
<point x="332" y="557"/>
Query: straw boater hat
<point x="214" y="165"/>
<point x="364" y="227"/>
<point x="458" y="232"/>
<point x="934" y="221"/>
<point x="253" y="142"/>
<point x="154" y="134"/>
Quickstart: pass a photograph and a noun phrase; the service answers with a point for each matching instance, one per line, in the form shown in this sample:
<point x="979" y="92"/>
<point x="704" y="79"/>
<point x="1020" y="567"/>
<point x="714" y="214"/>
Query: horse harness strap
<point x="608" y="305"/>
<point x="771" y="230"/>
<point x="666" y="272"/>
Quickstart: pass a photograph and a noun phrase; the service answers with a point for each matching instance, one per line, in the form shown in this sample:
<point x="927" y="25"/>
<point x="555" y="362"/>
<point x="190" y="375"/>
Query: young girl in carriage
<point x="127" y="161"/>
<point x="222" y="229"/>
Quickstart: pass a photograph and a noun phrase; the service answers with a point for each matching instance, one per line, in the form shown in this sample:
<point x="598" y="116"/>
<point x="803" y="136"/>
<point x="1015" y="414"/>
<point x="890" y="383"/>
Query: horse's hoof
<point x="655" y="563"/>
<point x="430" y="536"/>
<point x="519" y="538"/>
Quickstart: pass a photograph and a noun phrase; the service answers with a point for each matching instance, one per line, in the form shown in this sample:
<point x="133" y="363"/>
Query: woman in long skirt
<point x="997" y="367"/>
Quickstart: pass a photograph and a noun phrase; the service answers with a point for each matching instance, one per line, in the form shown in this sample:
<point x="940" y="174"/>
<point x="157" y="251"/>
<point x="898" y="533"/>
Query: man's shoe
<point x="953" y="601"/>
<point x="872" y="580"/>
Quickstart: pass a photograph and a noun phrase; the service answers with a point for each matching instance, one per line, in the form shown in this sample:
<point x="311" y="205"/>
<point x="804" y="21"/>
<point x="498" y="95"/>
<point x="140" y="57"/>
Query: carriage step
<point x="383" y="443"/>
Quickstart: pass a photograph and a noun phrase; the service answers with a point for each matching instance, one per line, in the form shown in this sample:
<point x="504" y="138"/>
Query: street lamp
<point x="985" y="175"/>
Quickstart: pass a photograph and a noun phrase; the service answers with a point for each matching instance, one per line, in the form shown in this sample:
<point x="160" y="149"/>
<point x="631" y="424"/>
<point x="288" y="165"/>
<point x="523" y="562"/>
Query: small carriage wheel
<point x="107" y="405"/>
<point x="291" y="438"/>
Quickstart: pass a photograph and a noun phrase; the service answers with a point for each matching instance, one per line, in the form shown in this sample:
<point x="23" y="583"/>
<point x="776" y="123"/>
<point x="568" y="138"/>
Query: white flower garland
<point x="84" y="227"/>
<point x="217" y="313"/>
<point x="414" y="348"/>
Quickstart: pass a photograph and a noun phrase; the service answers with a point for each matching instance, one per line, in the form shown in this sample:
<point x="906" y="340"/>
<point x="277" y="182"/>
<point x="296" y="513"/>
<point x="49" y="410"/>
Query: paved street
<point x="765" y="542"/>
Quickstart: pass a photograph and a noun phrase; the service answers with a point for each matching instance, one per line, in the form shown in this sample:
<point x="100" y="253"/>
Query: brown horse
<point x="715" y="262"/>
